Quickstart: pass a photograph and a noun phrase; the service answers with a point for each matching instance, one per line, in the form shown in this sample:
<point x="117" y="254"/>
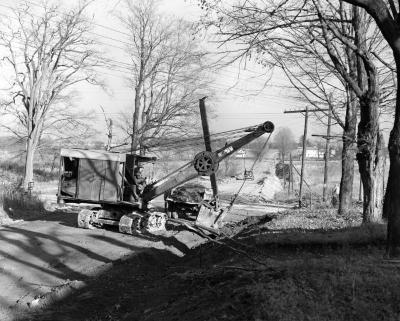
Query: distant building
<point x="247" y="154"/>
<point x="315" y="152"/>
<point x="241" y="153"/>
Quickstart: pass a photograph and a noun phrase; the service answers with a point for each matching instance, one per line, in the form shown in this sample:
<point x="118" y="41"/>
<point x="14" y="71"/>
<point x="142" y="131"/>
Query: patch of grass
<point x="315" y="218"/>
<point x="285" y="197"/>
<point x="17" y="204"/>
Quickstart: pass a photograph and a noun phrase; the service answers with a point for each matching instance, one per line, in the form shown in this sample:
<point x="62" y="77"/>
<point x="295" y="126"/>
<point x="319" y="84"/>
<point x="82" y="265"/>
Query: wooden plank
<point x="93" y="154"/>
<point x="111" y="181"/>
<point x="91" y="172"/>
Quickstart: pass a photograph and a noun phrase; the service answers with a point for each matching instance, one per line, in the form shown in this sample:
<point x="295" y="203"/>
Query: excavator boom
<point x="204" y="164"/>
<point x="182" y="175"/>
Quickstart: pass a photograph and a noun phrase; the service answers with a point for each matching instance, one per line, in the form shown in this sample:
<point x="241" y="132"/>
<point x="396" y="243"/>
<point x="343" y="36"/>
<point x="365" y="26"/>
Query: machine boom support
<point x="205" y="163"/>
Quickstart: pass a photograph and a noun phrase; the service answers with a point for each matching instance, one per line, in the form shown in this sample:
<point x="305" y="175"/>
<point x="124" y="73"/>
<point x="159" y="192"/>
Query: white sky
<point x="233" y="108"/>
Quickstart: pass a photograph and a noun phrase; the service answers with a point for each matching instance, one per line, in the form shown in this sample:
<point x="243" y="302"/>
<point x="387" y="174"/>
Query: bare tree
<point x="284" y="141"/>
<point x="47" y="52"/>
<point x="109" y="127"/>
<point x="386" y="15"/>
<point x="369" y="138"/>
<point x="169" y="74"/>
<point x="333" y="65"/>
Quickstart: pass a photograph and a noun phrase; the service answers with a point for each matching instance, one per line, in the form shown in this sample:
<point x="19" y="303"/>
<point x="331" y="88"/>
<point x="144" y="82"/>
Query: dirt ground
<point x="46" y="259"/>
<point x="281" y="265"/>
<point x="42" y="259"/>
<point x="264" y="273"/>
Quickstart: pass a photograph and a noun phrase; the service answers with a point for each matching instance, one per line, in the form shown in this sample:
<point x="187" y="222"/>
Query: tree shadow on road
<point x="34" y="263"/>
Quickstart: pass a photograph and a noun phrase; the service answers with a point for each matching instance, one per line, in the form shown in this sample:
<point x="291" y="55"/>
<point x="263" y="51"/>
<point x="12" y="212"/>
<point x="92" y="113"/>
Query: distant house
<point x="241" y="153"/>
<point x="247" y="154"/>
<point x="315" y="152"/>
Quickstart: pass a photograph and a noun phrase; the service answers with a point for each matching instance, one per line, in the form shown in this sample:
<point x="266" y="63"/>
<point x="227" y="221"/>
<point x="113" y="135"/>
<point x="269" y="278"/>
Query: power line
<point x="236" y="91"/>
<point x="128" y="44"/>
<point x="125" y="66"/>
<point x="90" y="32"/>
<point x="97" y="24"/>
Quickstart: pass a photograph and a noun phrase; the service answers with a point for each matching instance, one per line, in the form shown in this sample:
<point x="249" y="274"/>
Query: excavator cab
<point x="96" y="176"/>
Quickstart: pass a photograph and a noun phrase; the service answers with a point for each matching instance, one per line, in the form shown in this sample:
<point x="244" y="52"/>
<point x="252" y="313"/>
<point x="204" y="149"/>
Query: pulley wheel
<point x="206" y="163"/>
<point x="268" y="127"/>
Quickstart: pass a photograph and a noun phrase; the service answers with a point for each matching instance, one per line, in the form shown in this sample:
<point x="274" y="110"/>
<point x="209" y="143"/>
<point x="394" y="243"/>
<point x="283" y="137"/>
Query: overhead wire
<point x="90" y="32"/>
<point x="241" y="93"/>
<point x="184" y="143"/>
<point x="123" y="68"/>
<point x="236" y="195"/>
<point x="198" y="140"/>
<point x="126" y="43"/>
<point x="184" y="147"/>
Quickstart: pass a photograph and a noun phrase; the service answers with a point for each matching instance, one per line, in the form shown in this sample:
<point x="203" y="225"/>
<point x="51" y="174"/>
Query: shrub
<point x="19" y="204"/>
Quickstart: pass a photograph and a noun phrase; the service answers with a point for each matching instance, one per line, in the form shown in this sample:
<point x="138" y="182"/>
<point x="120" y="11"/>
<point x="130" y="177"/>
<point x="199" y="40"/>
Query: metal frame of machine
<point x="104" y="179"/>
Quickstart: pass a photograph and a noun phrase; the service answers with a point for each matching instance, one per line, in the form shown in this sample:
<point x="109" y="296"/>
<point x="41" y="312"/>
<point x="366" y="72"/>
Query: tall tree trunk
<point x="137" y="113"/>
<point x="369" y="157"/>
<point x="349" y="133"/>
<point x="135" y="120"/>
<point x="391" y="207"/>
<point x="348" y="154"/>
<point x="30" y="153"/>
<point x="379" y="172"/>
<point x="35" y="126"/>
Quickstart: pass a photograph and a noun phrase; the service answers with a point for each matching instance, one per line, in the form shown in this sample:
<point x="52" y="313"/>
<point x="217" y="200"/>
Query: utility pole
<point x="305" y="111"/>
<point x="328" y="133"/>
<point x="327" y="137"/>
<point x="207" y="141"/>
<point x="303" y="156"/>
<point x="290" y="174"/>
<point x="283" y="170"/>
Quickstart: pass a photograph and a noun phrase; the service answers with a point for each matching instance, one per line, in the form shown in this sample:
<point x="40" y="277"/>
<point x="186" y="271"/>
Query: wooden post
<point x="283" y="171"/>
<point x="290" y="173"/>
<point x="291" y="179"/>
<point x="207" y="141"/>
<point x="328" y="134"/>
<point x="303" y="156"/>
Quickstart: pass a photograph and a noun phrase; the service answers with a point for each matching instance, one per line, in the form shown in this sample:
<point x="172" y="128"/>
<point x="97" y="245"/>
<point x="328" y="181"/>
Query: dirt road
<point x="45" y="259"/>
